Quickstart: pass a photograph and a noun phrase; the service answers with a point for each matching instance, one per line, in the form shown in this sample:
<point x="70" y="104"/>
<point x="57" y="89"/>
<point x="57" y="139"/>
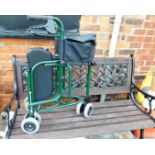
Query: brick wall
<point x="136" y="36"/>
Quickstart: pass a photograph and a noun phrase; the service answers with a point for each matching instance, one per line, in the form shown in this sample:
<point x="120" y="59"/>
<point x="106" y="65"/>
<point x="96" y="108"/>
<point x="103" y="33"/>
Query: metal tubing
<point x="88" y="80"/>
<point x="69" y="83"/>
<point x="55" y="98"/>
<point x="141" y="133"/>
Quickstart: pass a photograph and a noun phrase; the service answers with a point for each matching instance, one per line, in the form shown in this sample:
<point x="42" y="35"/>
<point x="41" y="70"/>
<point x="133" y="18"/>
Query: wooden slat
<point x="108" y="90"/>
<point x="104" y="116"/>
<point x="81" y="124"/>
<point x="87" y="131"/>
<point x="115" y="60"/>
<point x="114" y="114"/>
<point x="105" y="104"/>
<point x="73" y="114"/>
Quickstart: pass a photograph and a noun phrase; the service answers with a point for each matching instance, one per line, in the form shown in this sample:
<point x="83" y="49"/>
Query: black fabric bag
<point x="77" y="49"/>
<point x="42" y="77"/>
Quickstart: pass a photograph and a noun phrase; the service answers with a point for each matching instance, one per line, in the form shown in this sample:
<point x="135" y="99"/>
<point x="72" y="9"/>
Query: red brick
<point x="7" y="64"/>
<point x="99" y="52"/>
<point x="152" y="51"/>
<point x="145" y="69"/>
<point x="140" y="31"/>
<point x="140" y="63"/>
<point x="149" y="25"/>
<point x="105" y="44"/>
<point x="148" y="45"/>
<point x="6" y="98"/>
<point x="131" y="38"/>
<point x="150" y="32"/>
<point x="1" y="87"/>
<point x="122" y="44"/>
<point x="150" y="63"/>
<point x="10" y="49"/>
<point x="153" y="39"/>
<point x="126" y="52"/>
<point x="39" y="42"/>
<point x="8" y="89"/>
<point x="14" y="41"/>
<point x="145" y="57"/>
<point x="5" y="57"/>
<point x="7" y="78"/>
<point x="104" y="19"/>
<point x="150" y="17"/>
<point x="135" y="38"/>
<point x="148" y="57"/>
<point x="90" y="27"/>
<point x="85" y="18"/>
<point x="148" y="39"/>
<point x="139" y="38"/>
<point x="107" y="28"/>
<point x="126" y="28"/>
<point x="133" y="20"/>
<point x="6" y="72"/>
<point x="135" y="45"/>
<point x="142" y="51"/>
<point x="94" y="18"/>
<point x="152" y="68"/>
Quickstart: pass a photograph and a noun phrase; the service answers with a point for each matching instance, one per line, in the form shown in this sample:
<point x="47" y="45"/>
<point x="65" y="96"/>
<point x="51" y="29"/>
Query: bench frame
<point x="130" y="89"/>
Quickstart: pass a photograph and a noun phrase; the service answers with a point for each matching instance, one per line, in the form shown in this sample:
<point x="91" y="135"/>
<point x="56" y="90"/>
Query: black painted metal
<point x="15" y="98"/>
<point x="141" y="133"/>
<point x="134" y="87"/>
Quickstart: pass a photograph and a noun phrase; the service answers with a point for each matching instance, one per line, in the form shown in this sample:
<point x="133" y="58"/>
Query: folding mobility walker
<point x="49" y="76"/>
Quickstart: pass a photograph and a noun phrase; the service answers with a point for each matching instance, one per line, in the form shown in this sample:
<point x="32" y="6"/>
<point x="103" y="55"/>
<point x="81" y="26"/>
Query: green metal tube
<point x="88" y="80"/>
<point x="60" y="25"/>
<point x="69" y="83"/>
<point x="51" y="63"/>
<point x="54" y="99"/>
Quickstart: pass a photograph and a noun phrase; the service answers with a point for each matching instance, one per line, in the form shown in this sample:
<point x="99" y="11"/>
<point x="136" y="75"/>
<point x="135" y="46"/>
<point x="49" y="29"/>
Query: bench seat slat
<point x="56" y="125"/>
<point x="107" y="116"/>
<point x="87" y="131"/>
<point x="71" y="113"/>
<point x="97" y="104"/>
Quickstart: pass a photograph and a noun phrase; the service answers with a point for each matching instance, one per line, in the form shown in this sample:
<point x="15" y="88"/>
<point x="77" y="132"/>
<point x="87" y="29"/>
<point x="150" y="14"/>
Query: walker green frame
<point x="60" y="67"/>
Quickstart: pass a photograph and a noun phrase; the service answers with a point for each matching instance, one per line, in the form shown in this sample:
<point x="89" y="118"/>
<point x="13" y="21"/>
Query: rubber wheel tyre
<point x="37" y="117"/>
<point x="80" y="108"/>
<point x="30" y="125"/>
<point x="88" y="110"/>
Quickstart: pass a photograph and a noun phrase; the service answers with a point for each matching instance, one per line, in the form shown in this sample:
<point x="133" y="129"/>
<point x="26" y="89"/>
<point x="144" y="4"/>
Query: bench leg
<point x="141" y="133"/>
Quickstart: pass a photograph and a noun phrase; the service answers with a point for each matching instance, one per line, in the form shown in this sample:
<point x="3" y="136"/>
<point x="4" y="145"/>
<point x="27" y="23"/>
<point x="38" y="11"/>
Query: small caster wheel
<point x="80" y="108"/>
<point x="88" y="110"/>
<point x="37" y="117"/>
<point x="26" y="103"/>
<point x="30" y="125"/>
<point x="4" y="115"/>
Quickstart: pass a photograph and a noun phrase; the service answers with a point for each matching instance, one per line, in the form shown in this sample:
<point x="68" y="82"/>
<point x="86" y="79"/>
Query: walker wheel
<point x="80" y="108"/>
<point x="37" y="117"/>
<point x="30" y="125"/>
<point x="88" y="110"/>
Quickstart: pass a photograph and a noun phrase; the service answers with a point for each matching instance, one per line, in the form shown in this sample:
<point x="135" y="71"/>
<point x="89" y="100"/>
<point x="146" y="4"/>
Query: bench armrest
<point x="7" y="113"/>
<point x="147" y="96"/>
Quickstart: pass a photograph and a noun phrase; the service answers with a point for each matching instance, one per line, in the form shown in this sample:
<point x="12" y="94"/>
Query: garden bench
<point x="109" y="76"/>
